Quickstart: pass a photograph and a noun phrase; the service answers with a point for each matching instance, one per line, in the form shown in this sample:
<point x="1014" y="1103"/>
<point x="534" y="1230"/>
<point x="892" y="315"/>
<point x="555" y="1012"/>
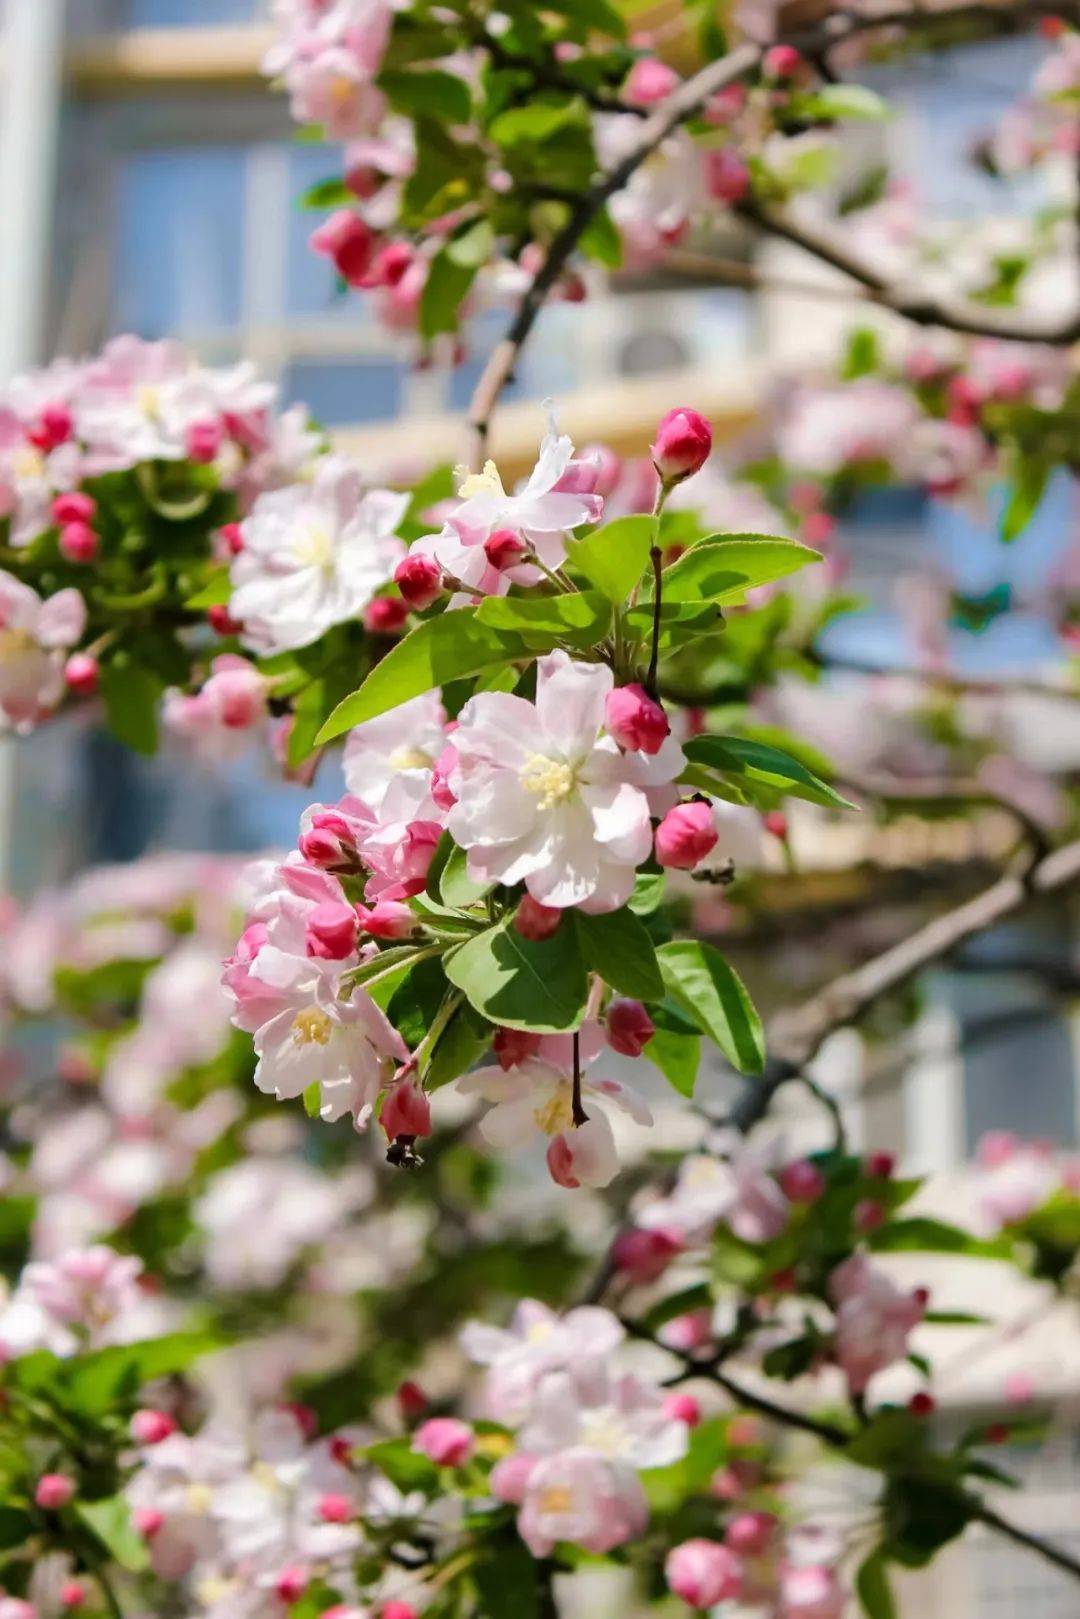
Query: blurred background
<point x="149" y="183"/>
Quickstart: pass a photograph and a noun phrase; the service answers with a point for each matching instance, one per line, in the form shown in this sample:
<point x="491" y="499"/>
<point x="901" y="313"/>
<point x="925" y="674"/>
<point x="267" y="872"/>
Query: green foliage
<point x="613" y="558"/>
<point x="723" y="567"/>
<point x="697" y="977"/>
<point x="760" y="771"/>
<point x="535" y="984"/>
<point x="617" y="946"/>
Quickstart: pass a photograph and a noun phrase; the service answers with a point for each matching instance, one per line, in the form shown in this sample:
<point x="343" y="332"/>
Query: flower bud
<point x="922" y="1404"/>
<point x="72" y="1595"/>
<point x="221" y="620"/>
<point x="391" y="263"/>
<point x="291" y="1583"/>
<point x="81" y="673"/>
<point x="535" y="921"/>
<point x="348" y="242"/>
<point x="682" y="1408"/>
<point x="54" y="427"/>
<point x="880" y="1165"/>
<point x="388" y="919"/>
<point x="406" y="1111"/>
<point x="682" y="445"/>
<point x="412" y="1401"/>
<point x="334" y="1508"/>
<point x="703" y="1573"/>
<point x="54" y="1490"/>
<point x="419" y="579"/>
<point x="232" y="537"/>
<point x="649" y="81"/>
<point x="386" y="615"/>
<point x="750" y="1533"/>
<point x="79" y="543"/>
<point x="203" y="440"/>
<point x="513" y="1046"/>
<point x="686" y="835"/>
<point x="802" y="1181"/>
<point x="776" y="823"/>
<point x="869" y="1214"/>
<point x="727" y="176"/>
<point x="629" y="1027"/>
<point x="782" y="62"/>
<point x="149" y="1427"/>
<point x="642" y="1255"/>
<point x="396" y="1610"/>
<point x="504" y="549"/>
<point x="331" y="930"/>
<point x="636" y="720"/>
<point x="147" y="1521"/>
<point x="74" y="507"/>
<point x="328" y="841"/>
<point x="448" y="1442"/>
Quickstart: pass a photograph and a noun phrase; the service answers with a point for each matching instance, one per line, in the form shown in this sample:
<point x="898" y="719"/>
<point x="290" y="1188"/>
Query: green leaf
<point x="96" y="1381"/>
<point x="617" y="946"/>
<point x="723" y="567"/>
<point x="131" y="695"/>
<point x="536" y="122"/>
<point x="216" y="592"/>
<point x="456" y="888"/>
<point x="919" y="1234"/>
<point x="614" y="557"/>
<point x="648" y="892"/>
<point x="110" y="1522"/>
<point x="403" y="1466"/>
<point x="863" y="355"/>
<point x="872" y="1588"/>
<point x="744" y="758"/>
<point x="333" y="193"/>
<point x="16" y="1528"/>
<point x="448" y="647"/>
<point x="536" y="984"/>
<point x="677" y="1056"/>
<point x="428" y="93"/>
<point x="472" y="246"/>
<point x="842" y="101"/>
<point x="463" y="1041"/>
<point x="599" y="14"/>
<point x="506" y="1582"/>
<point x="601" y="240"/>
<point x="445" y="288"/>
<point x="700" y="980"/>
<point x="582" y="617"/>
<point x="1030" y="475"/>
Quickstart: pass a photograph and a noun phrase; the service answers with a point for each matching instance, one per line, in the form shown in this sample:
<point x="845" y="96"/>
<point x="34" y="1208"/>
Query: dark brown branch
<point x="976" y="685"/>
<point x="1023" y="1537"/>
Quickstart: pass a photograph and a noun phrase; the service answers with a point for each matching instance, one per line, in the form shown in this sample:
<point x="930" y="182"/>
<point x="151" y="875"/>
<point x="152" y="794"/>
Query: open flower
<point x="410" y="737"/>
<point x="314" y="556"/>
<point x="543" y="797"/>
<point x="33" y="637"/>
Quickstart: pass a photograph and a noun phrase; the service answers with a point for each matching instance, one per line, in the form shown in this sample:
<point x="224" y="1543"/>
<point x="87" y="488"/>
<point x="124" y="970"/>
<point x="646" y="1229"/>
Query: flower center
<point x="411" y="759"/>
<point x="342" y="89"/>
<point x="315" y="549"/>
<point x="28" y="463"/>
<point x="556" y="1498"/>
<point x="311" y="1027"/>
<point x="264" y="1476"/>
<point x="200" y="1498"/>
<point x="557" y="1113"/>
<point x="149" y="399"/>
<point x="15" y="644"/>
<point x="552" y="780"/>
<point x="487" y="482"/>
<point x="539" y="1332"/>
<point x="604" y="1431"/>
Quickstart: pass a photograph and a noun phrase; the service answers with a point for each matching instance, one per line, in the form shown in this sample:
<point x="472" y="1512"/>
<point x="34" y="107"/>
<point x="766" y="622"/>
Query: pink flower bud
<point x="79" y="543"/>
<point x="448" y="1442"/>
<point x="412" y="1401"/>
<point x="348" y="242"/>
<point x="750" y="1533"/>
<point x="727" y="176"/>
<point x="682" y="1408"/>
<point x="922" y="1404"/>
<point x="54" y="1490"/>
<point x="74" y="507"/>
<point x="303" y="1415"/>
<point x="334" y="1508"/>
<point x="504" y="549"/>
<point x="72" y="1594"/>
<point x="635" y="720"/>
<point x="406" y="1111"/>
<point x="880" y="1165"/>
<point x="419" y="579"/>
<point x="391" y="263"/>
<point x="388" y="919"/>
<point x="232" y="537"/>
<point x="81" y="674"/>
<point x="291" y="1583"/>
<point x="510" y="1477"/>
<point x="221" y="620"/>
<point x="629" y="1028"/>
<point x="149" y="1427"/>
<point x="147" y="1521"/>
<point x="396" y="1610"/>
<point x="328" y="841"/>
<point x="869" y="1214"/>
<point x="703" y="1573"/>
<point x="802" y="1181"/>
<point x="686" y="835"/>
<point x="644" y="1256"/>
<point x="818" y="528"/>
<point x="331" y="930"/>
<point x="775" y="823"/>
<point x="782" y="62"/>
<point x="513" y="1046"/>
<point x="386" y="615"/>
<point x="535" y="921"/>
<point x="203" y="440"/>
<point x="54" y="427"/>
<point x="681" y="446"/>
<point x="649" y="81"/>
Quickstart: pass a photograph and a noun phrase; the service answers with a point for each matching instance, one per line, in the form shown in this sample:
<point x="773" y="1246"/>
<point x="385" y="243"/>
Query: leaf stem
<point x="577" y="1108"/>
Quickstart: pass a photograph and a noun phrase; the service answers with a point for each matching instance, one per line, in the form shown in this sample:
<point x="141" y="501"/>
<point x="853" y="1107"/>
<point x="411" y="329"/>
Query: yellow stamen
<point x="552" y="780"/>
<point x="15" y="644"/>
<point x="200" y="1498"/>
<point x="411" y="759"/>
<point x="311" y="1027"/>
<point x="487" y="482"/>
<point x="28" y="462"/>
<point x="557" y="1113"/>
<point x="315" y="548"/>
<point x="556" y="1498"/>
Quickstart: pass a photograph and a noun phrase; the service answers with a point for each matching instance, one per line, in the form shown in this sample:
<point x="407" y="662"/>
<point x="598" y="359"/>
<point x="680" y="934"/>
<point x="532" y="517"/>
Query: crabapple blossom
<point x="629" y="1027"/>
<point x="873" y="1319"/>
<point x="737" y="1191"/>
<point x="538" y="1341"/>
<point x="811" y="1591"/>
<point x="349" y="243"/>
<point x="1014" y="1178"/>
<point x="34" y="635"/>
<point x="446" y="1441"/>
<point x="544" y="796"/>
<point x="313" y="556"/>
<point x="580" y="1496"/>
<point x="686" y="835"/>
<point x="635" y="720"/>
<point x="682" y="445"/>
<point x="703" y="1573"/>
<point x="406" y="1110"/>
<point x="408" y="738"/>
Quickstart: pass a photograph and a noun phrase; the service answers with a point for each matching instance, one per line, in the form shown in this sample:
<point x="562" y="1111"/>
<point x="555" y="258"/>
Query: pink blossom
<point x="580" y="1496"/>
<point x="510" y="1477"/>
<point x="873" y="1319"/>
<point x="645" y="1255"/>
<point x="629" y="1027"/>
<point x="388" y="919"/>
<point x="448" y="1442"/>
<point x="811" y="1591"/>
<point x="332" y="927"/>
<point x="682" y="445"/>
<point x="635" y="720"/>
<point x="34" y="634"/>
<point x="703" y="1573"/>
<point x="406" y="1110"/>
<point x="686" y="835"/>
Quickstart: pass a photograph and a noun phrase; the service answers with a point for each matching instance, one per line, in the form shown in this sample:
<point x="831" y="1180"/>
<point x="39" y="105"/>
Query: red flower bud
<point x="81" y="674"/>
<point x="149" y="1427"/>
<point x="776" y="822"/>
<point x="74" y="507"/>
<point x="334" y="1508"/>
<point x="643" y="1255"/>
<point x="221" y="620"/>
<point x="203" y="440"/>
<point x="880" y="1165"/>
<point x="331" y="930"/>
<point x="636" y="720"/>
<point x="922" y="1404"/>
<point x="348" y="242"/>
<point x="869" y="1215"/>
<point x="683" y="1408"/>
<point x="802" y="1181"/>
<point x="629" y="1027"/>
<point x="727" y="176"/>
<point x="232" y="534"/>
<point x="513" y="1046"/>
<point x="686" y="835"/>
<point x="54" y="1490"/>
<point x="535" y="921"/>
<point x="79" y="542"/>
<point x="649" y="81"/>
<point x="412" y="1401"/>
<point x="782" y="62"/>
<point x="448" y="1442"/>
<point x="386" y="615"/>
<point x="682" y="445"/>
<point x="504" y="549"/>
<point x="750" y="1533"/>
<point x="406" y="1111"/>
<point x="419" y="579"/>
<point x="54" y="427"/>
<point x="387" y="919"/>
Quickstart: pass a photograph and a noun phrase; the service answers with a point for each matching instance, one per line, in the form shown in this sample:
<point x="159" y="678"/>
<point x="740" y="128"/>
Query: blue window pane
<point x="179" y="242"/>
<point x="340" y="392"/>
<point x="311" y="284"/>
<point x="191" y="13"/>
